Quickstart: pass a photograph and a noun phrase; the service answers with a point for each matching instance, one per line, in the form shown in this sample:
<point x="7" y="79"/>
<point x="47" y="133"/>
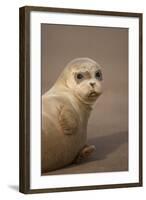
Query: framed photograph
<point x="80" y="99"/>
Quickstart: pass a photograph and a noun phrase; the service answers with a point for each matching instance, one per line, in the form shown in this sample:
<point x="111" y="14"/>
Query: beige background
<point x="108" y="124"/>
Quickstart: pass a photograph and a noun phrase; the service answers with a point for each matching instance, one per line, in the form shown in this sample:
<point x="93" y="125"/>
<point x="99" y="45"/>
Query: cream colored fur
<point x="65" y="111"/>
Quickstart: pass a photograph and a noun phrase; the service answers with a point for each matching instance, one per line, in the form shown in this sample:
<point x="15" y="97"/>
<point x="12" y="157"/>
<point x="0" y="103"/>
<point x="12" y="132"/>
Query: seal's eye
<point x="80" y="76"/>
<point x="98" y="75"/>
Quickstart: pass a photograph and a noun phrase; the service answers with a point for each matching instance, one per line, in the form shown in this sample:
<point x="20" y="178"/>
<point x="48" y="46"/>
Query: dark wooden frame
<point x="24" y="92"/>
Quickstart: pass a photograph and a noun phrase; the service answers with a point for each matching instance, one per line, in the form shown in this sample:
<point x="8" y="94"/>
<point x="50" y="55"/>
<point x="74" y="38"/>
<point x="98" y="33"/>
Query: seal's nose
<point x="92" y="84"/>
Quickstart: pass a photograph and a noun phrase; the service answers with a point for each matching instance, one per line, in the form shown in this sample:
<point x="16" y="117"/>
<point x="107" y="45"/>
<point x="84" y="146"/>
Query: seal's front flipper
<point x="68" y="120"/>
<point x="85" y="153"/>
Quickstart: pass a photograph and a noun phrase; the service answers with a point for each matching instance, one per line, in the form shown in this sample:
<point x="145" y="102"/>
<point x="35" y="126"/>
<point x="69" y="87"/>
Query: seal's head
<point x="83" y="77"/>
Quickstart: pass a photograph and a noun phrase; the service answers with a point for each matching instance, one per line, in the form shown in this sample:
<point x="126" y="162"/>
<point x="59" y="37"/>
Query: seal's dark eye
<point x="80" y="76"/>
<point x="98" y="75"/>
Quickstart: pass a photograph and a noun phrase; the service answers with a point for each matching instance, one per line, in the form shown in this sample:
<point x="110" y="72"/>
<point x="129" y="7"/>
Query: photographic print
<point x="70" y="92"/>
<point x="80" y="99"/>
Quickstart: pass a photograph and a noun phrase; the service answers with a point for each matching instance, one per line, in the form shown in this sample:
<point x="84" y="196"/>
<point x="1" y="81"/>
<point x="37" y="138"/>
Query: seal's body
<point x="65" y="111"/>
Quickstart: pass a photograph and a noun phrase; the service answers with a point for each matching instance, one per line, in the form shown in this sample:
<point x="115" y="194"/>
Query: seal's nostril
<point x="92" y="84"/>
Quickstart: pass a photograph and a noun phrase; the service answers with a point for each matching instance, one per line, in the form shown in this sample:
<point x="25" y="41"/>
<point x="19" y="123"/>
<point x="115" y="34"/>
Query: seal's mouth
<point x="93" y="94"/>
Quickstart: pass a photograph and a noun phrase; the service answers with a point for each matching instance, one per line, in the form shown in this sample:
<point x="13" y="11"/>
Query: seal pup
<point x="65" y="111"/>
